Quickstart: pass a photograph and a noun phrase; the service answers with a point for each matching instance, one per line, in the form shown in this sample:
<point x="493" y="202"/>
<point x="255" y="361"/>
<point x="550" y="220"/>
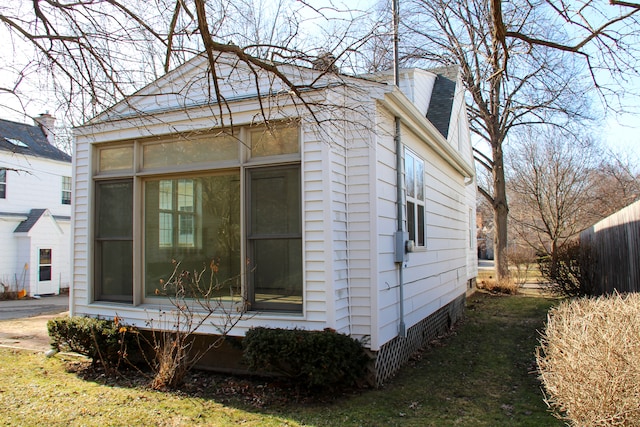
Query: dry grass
<point x="589" y="361"/>
<point x="495" y="286"/>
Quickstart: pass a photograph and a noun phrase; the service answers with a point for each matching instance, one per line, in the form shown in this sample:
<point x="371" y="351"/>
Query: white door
<point x="45" y="281"/>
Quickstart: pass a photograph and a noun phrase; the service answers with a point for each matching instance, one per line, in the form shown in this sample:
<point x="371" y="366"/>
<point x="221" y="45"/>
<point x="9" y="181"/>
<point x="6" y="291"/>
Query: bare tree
<point x="541" y="85"/>
<point x="96" y="53"/>
<point x="616" y="183"/>
<point x="604" y="35"/>
<point x="550" y="183"/>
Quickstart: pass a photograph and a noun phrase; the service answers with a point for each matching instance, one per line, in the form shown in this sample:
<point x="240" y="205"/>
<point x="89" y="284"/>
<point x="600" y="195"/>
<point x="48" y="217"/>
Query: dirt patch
<point x="28" y="333"/>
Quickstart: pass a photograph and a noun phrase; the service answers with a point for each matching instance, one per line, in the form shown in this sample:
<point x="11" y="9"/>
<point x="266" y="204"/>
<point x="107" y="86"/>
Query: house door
<point x="45" y="283"/>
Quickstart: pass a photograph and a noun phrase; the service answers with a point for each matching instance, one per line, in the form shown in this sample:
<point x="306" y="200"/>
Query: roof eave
<point x="398" y="103"/>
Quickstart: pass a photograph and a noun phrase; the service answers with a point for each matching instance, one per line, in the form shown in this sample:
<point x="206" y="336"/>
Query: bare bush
<point x="588" y="361"/>
<point x="195" y="301"/>
<point x="521" y="263"/>
<point x="570" y="270"/>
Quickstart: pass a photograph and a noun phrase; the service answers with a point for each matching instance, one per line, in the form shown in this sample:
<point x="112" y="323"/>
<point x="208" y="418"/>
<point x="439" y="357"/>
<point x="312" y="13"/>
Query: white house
<point x="35" y="209"/>
<point x="295" y="201"/>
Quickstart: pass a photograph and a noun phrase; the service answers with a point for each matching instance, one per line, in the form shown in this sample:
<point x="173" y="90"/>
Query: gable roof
<point x="442" y="96"/>
<point x="28" y="140"/>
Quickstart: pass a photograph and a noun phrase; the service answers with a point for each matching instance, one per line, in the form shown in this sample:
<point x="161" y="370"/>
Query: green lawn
<point x="479" y="376"/>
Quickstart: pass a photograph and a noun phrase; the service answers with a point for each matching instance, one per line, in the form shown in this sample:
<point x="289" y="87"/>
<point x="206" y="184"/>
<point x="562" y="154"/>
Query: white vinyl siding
<point x="437" y="274"/>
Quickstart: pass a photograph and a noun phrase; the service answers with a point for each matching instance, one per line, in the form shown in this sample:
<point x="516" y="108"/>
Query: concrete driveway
<point x="23" y="323"/>
<point x="22" y="308"/>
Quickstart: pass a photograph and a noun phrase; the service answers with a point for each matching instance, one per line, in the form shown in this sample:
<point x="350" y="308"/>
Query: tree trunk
<point x="500" y="212"/>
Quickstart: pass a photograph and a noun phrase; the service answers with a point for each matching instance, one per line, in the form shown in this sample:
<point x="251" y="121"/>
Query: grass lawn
<point x="479" y="376"/>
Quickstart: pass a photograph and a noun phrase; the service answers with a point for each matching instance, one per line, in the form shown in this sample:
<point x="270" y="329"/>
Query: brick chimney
<point x="46" y="122"/>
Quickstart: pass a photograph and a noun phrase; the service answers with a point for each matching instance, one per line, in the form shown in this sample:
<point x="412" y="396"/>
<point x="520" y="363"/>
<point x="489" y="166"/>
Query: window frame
<point x="252" y="238"/>
<point x="415" y="207"/>
<point x="98" y="245"/>
<point x="180" y="170"/>
<point x="66" y="190"/>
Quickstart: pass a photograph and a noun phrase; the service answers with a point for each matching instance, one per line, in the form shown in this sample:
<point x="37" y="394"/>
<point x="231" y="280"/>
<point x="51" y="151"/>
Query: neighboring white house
<point x="35" y="209"/>
<point x="297" y="202"/>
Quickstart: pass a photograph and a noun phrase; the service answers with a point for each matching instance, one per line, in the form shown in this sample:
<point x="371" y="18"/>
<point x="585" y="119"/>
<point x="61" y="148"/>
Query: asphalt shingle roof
<point x="34" y="139"/>
<point x="31" y="220"/>
<point x="441" y="104"/>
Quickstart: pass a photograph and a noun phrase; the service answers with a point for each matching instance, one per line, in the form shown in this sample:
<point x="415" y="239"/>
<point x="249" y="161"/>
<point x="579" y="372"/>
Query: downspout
<point x="400" y="238"/>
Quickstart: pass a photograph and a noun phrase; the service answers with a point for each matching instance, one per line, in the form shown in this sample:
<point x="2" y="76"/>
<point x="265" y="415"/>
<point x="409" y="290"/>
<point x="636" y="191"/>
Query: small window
<point x="3" y="183"/>
<point x="66" y="190"/>
<point x="44" y="273"/>
<point x="273" y="142"/>
<point x="190" y="150"/>
<point x="17" y="142"/>
<point x="414" y="181"/>
<point x="115" y="159"/>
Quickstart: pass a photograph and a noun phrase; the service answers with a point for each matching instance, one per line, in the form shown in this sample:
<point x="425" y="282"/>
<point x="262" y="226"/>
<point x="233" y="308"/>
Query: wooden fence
<point x="614" y="243"/>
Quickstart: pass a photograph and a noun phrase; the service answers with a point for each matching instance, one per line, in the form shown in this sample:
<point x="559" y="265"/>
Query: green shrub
<point x="314" y="359"/>
<point x="105" y="341"/>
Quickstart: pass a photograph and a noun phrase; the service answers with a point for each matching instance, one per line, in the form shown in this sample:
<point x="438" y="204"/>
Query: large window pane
<point x="114" y="241"/>
<point x="196" y="222"/>
<point x="275" y="239"/>
<point x="189" y="150"/>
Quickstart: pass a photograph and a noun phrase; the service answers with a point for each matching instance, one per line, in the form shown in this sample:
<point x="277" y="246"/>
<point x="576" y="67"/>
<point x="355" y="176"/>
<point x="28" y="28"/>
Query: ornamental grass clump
<point x="588" y="361"/>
